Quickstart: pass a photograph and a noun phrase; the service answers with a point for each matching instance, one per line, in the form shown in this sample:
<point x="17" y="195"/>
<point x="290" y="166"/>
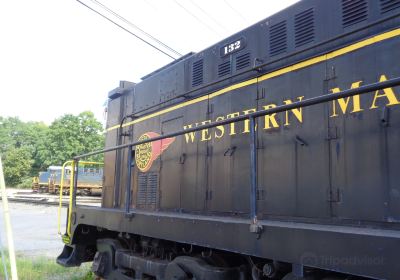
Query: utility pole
<point x="10" y="240"/>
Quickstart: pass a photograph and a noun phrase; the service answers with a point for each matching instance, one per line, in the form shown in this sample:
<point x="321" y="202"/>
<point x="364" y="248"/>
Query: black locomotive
<point x="273" y="154"/>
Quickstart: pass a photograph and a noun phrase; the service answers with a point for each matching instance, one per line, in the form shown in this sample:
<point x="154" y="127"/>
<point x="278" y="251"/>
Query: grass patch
<point x="33" y="268"/>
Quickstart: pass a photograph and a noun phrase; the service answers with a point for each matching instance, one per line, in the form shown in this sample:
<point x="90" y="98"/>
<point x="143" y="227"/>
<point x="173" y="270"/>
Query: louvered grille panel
<point x="354" y="11"/>
<point x="152" y="186"/>
<point x="197" y="73"/>
<point x="242" y="61"/>
<point x="278" y="38"/>
<point x="224" y="69"/>
<point x="147" y="190"/>
<point x="304" y="27"/>
<point x="389" y="5"/>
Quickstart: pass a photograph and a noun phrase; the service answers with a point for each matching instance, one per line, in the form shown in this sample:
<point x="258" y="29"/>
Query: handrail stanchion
<point x="61" y="195"/>
<point x="75" y="186"/>
<point x="253" y="172"/>
<point x="128" y="181"/>
<point x="72" y="193"/>
<point x="71" y="187"/>
<point x="254" y="226"/>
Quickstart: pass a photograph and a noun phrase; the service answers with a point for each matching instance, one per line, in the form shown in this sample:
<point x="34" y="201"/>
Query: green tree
<point x="28" y="147"/>
<point x="10" y="129"/>
<point x="17" y="165"/>
<point x="19" y="142"/>
<point x="69" y="136"/>
<point x="17" y="134"/>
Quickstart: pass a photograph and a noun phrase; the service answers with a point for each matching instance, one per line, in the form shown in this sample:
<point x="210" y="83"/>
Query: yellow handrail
<point x="66" y="238"/>
<point x="61" y="194"/>
<point x="71" y="190"/>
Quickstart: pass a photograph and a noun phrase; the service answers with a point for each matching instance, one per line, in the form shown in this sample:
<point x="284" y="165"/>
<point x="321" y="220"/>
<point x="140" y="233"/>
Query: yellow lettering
<point x="270" y="119"/>
<point x="221" y="128"/>
<point x="205" y="136"/>
<point x="298" y="113"/>
<point x="344" y="102"/>
<point x="247" y="122"/>
<point x="232" y="125"/>
<point x="191" y="135"/>
<point x="387" y="92"/>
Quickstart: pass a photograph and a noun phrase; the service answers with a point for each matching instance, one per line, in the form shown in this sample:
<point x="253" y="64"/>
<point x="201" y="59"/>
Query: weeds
<point x="42" y="268"/>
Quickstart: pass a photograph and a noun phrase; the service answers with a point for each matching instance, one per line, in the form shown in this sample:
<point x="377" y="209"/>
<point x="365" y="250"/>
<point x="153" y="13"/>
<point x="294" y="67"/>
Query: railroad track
<point x="52" y="200"/>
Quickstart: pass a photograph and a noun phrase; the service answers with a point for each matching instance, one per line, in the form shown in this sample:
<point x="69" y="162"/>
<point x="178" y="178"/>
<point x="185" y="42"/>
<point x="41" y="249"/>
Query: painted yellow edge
<point x="297" y="66"/>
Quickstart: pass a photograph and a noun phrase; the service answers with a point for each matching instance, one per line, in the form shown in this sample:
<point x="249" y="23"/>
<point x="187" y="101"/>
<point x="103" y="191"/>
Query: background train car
<point x="55" y="178"/>
<point x="41" y="183"/>
<point x="89" y="180"/>
<point x="304" y="192"/>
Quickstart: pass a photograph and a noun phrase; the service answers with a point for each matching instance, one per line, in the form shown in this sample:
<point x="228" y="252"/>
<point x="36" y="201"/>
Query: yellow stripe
<point x="294" y="67"/>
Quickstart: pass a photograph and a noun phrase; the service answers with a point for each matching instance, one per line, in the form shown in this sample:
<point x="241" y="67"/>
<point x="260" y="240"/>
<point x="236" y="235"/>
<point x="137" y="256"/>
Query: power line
<point x="136" y="27"/>
<point x="236" y="11"/>
<point x="209" y="16"/>
<point x="130" y="32"/>
<point x="151" y="5"/>
<point x="197" y="18"/>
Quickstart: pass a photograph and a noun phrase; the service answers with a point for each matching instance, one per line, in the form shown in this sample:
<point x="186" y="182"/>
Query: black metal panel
<point x="194" y="162"/>
<point x="228" y="146"/>
<point x="109" y="170"/>
<point x="291" y="152"/>
<point x="170" y="179"/>
<point x="362" y="153"/>
<point x="161" y="86"/>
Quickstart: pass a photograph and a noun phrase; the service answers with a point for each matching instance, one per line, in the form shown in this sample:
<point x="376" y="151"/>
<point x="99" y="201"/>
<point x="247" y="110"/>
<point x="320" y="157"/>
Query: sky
<point x="59" y="57"/>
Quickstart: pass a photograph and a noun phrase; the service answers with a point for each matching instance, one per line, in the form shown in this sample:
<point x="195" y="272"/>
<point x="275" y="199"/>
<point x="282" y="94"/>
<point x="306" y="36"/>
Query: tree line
<point x="29" y="147"/>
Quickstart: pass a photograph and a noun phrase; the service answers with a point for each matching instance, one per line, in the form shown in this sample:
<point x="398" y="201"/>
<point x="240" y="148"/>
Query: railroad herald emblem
<point x="147" y="153"/>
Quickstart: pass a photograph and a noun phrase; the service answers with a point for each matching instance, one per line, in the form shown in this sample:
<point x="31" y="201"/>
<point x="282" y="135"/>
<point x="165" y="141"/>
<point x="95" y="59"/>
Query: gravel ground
<point x="34" y="229"/>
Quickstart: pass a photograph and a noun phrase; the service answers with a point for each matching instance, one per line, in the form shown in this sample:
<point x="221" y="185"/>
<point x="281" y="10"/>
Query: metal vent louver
<point x="242" y="61"/>
<point x="277" y="38"/>
<point x="224" y="68"/>
<point x="147" y="190"/>
<point x="197" y="73"/>
<point x="389" y="5"/>
<point x="304" y="27"/>
<point x="354" y="11"/>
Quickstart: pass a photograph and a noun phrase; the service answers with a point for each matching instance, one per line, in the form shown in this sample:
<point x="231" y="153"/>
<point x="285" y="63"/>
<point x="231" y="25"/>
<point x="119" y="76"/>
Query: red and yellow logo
<point x="147" y="153"/>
